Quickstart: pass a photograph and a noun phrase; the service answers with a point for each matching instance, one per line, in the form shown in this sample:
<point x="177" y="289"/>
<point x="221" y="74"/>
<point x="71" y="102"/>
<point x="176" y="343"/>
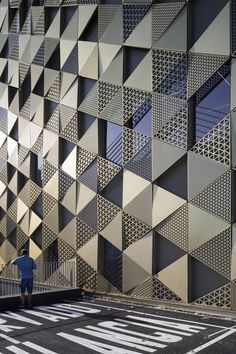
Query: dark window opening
<point x="141" y="120"/>
<point x="113" y="149"/>
<point x="212" y="102"/>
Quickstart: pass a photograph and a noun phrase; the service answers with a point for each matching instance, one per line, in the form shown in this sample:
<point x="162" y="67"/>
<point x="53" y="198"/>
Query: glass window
<point x="212" y="103"/>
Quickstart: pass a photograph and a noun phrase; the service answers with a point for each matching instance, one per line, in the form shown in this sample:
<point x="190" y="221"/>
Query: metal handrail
<point x="48" y="276"/>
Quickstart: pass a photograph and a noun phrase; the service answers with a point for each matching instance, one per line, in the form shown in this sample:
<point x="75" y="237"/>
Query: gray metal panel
<point x="97" y="144"/>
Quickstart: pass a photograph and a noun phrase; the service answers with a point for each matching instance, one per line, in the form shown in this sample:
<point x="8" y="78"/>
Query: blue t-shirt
<point x="26" y="265"/>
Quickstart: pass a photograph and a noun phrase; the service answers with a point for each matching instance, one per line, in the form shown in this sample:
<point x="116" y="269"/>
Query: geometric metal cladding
<point x="99" y="160"/>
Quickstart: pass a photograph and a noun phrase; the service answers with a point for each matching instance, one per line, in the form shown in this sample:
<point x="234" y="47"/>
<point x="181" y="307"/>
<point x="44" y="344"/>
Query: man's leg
<point x="22" y="297"/>
<point x="29" y="291"/>
<point x="22" y="291"/>
<point x="29" y="297"/>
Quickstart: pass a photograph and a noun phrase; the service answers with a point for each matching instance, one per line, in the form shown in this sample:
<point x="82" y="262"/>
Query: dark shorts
<point x="26" y="284"/>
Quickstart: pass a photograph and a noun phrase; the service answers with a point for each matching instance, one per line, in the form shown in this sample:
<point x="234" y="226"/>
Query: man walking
<point x="25" y="265"/>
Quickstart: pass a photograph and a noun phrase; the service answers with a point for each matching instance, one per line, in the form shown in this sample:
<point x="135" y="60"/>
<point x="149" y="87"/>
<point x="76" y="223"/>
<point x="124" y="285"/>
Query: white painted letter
<point x="156" y="328"/>
<point x="122" y="339"/>
<point x="17" y="317"/>
<point x="97" y="346"/>
<point x="159" y="336"/>
<point x="47" y="316"/>
<point x="77" y="308"/>
<point x="66" y="312"/>
<point x="38" y="348"/>
<point x="177" y="325"/>
<point x="16" y="350"/>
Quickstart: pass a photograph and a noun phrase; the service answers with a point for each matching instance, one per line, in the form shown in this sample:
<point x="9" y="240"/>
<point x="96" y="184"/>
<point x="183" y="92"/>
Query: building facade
<point x="117" y="143"/>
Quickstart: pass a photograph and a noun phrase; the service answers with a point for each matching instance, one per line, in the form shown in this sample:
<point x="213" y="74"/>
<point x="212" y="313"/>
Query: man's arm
<point x="14" y="261"/>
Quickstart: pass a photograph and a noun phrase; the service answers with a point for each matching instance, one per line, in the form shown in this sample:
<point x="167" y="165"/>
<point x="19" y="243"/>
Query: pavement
<point x="91" y="326"/>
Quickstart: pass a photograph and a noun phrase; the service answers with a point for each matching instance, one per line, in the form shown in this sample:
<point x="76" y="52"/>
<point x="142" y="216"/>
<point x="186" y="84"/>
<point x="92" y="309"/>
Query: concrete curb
<point x="178" y="307"/>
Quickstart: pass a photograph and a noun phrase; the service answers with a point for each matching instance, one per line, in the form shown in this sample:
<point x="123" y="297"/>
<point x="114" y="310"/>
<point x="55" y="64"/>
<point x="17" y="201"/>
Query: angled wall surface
<point x="117" y="143"/>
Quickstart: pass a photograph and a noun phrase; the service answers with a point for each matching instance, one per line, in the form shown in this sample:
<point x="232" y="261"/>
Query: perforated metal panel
<point x="216" y="144"/>
<point x="216" y="198"/>
<point x="161" y="292"/>
<point x="163" y="15"/>
<point x="201" y="68"/>
<point x="175" y="227"/>
<point x="170" y="73"/>
<point x="175" y="130"/>
<point x="133" y="230"/>
<point x="133" y="100"/>
<point x="103" y="153"/>
<point x="132" y="15"/>
<point x="220" y="298"/>
<point x="216" y="253"/>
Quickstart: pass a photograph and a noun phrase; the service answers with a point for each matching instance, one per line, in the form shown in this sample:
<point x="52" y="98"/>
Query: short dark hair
<point x="24" y="252"/>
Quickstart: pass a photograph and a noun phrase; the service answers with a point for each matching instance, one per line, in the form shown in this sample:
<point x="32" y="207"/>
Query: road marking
<point x="9" y="339"/>
<point x="152" y="315"/>
<point x="156" y="328"/>
<point x="16" y="350"/>
<point x="38" y="348"/>
<point x="120" y="327"/>
<point x="213" y="341"/>
<point x="96" y="346"/>
<point x="198" y="312"/>
<point x="220" y="331"/>
<point x="4" y="327"/>
<point x="45" y="315"/>
<point x="121" y="339"/>
<point x="175" y="324"/>
<point x="16" y="316"/>
<point x="61" y="311"/>
<point x="119" y="334"/>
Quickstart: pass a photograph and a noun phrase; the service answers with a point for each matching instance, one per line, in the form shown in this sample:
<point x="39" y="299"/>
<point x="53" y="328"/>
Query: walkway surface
<point x="106" y="326"/>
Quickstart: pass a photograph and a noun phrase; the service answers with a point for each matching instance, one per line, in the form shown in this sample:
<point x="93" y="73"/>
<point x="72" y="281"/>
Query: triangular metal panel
<point x="114" y="72"/>
<point x="71" y="97"/>
<point x="233" y="255"/>
<point x="163" y="15"/>
<point x="114" y="32"/>
<point x="141" y="78"/>
<point x="85" y="14"/>
<point x="164" y="156"/>
<point x="135" y="252"/>
<point x="71" y="30"/>
<point x="84" y="196"/>
<point x="142" y="34"/>
<point x="54" y="29"/>
<point x="203" y="226"/>
<point x="175" y="37"/>
<point x="210" y="171"/>
<point x="89" y="252"/>
<point x="52" y="219"/>
<point x="68" y="234"/>
<point x="107" y="52"/>
<point x="89" y="141"/>
<point x="216" y="38"/>
<point x="216" y="253"/>
<point x="113" y="231"/>
<point x="133" y="273"/>
<point x="179" y="283"/>
<point x="135" y="207"/>
<point x="132" y="186"/>
<point x="164" y="204"/>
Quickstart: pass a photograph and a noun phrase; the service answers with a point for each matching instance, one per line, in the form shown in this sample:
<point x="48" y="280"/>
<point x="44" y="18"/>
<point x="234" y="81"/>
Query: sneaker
<point x="21" y="306"/>
<point x="29" y="306"/>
